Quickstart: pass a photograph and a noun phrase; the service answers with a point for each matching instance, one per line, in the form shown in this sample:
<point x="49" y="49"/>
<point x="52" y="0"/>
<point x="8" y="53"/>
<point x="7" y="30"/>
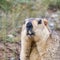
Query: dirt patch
<point x="9" y="51"/>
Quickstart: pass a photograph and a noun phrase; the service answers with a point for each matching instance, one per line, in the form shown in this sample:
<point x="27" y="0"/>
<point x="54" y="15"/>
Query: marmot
<point x="45" y="44"/>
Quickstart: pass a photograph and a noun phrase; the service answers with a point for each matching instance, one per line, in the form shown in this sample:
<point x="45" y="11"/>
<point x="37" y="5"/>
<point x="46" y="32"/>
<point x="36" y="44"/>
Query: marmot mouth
<point x="30" y="33"/>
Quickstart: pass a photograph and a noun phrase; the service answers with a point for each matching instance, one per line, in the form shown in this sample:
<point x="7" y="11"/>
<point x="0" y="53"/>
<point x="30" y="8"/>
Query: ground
<point x="11" y="50"/>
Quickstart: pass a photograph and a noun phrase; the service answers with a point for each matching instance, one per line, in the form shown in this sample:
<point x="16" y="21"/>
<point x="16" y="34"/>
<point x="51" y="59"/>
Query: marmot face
<point x="36" y="26"/>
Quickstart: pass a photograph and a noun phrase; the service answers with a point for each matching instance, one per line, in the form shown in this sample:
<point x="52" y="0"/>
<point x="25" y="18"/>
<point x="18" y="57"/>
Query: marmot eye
<point x="39" y="22"/>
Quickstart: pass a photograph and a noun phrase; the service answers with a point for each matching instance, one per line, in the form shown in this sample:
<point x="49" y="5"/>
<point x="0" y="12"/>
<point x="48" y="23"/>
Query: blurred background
<point x="12" y="15"/>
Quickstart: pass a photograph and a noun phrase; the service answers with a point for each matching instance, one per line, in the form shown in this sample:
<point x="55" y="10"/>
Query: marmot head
<point x="36" y="26"/>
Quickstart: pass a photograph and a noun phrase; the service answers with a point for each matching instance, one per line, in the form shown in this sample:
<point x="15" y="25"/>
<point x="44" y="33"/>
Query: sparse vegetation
<point x="13" y="12"/>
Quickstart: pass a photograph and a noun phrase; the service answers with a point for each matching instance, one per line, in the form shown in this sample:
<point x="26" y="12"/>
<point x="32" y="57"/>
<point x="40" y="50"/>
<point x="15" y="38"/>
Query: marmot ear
<point x="45" y="21"/>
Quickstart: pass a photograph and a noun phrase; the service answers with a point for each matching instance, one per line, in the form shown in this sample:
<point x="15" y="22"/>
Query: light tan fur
<point x="45" y="45"/>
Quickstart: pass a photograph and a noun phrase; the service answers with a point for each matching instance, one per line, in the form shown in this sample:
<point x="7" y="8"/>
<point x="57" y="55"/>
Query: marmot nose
<point x="29" y="28"/>
<point x="29" y="25"/>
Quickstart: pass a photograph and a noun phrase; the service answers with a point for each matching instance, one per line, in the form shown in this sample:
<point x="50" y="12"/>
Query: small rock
<point x="10" y="35"/>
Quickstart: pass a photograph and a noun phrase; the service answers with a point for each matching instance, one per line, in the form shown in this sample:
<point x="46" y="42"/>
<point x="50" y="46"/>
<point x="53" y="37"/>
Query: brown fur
<point x="45" y="47"/>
